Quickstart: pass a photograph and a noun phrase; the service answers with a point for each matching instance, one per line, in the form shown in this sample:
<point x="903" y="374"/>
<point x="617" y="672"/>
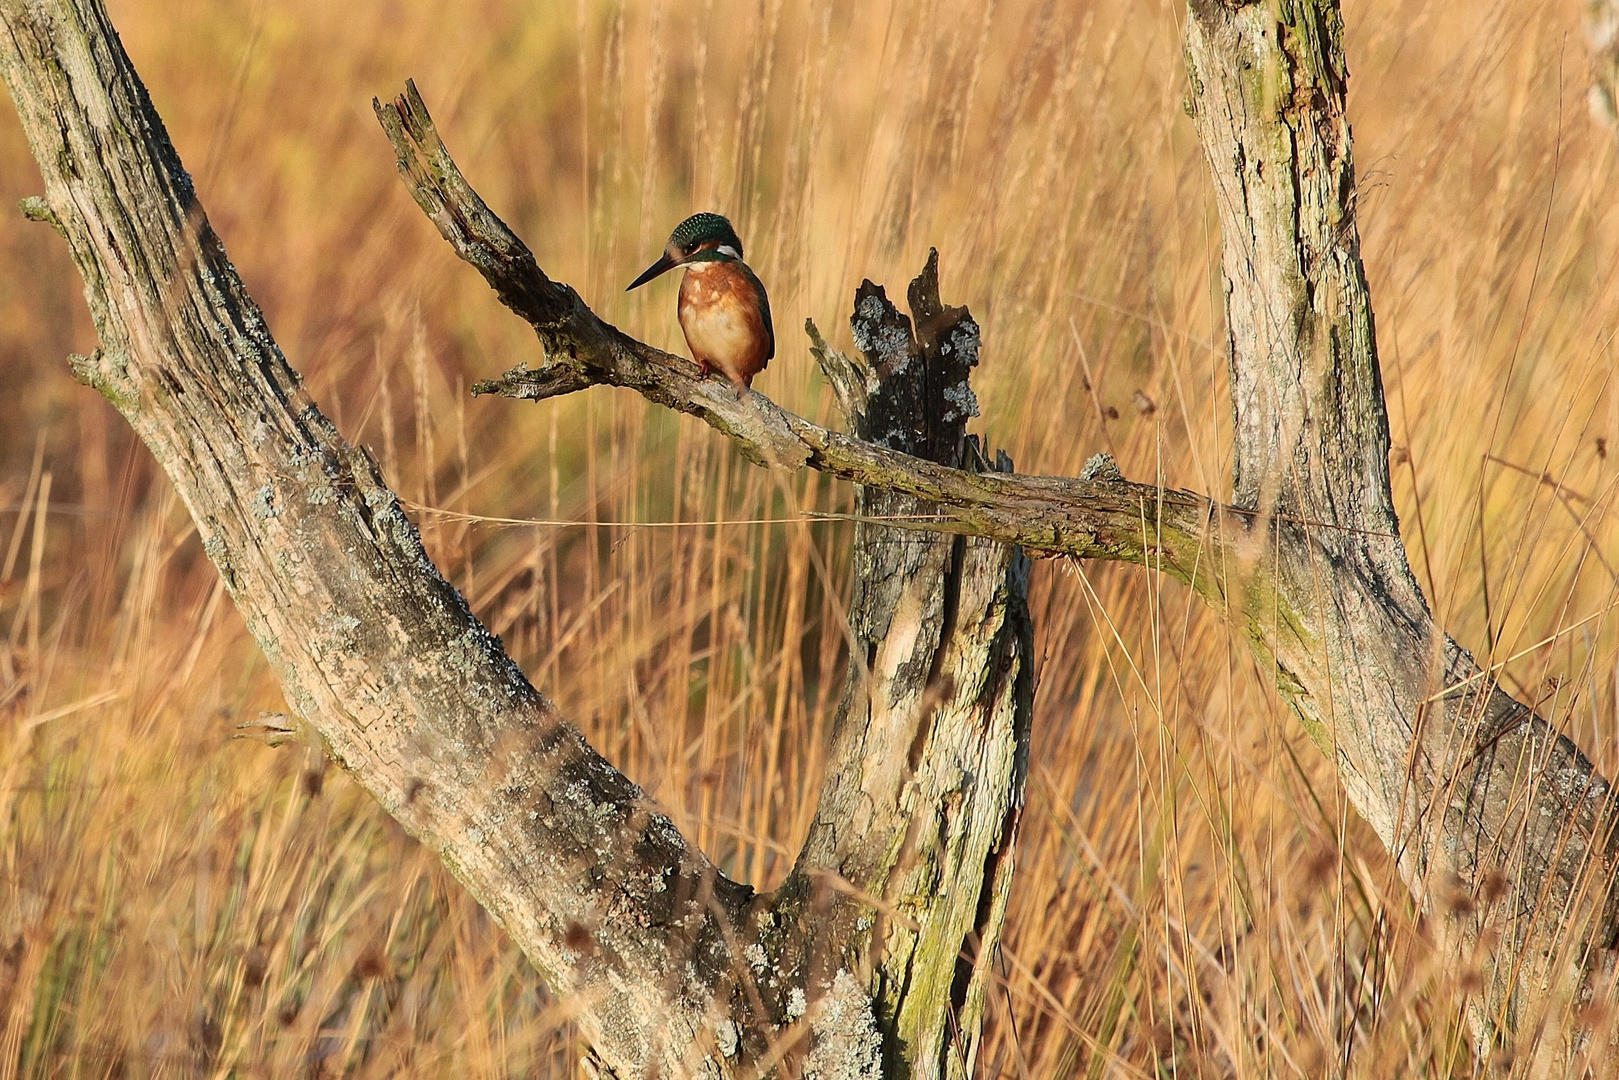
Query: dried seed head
<point x="1454" y="897"/>
<point x="255" y="965"/>
<point x="372" y="964"/>
<point x="1493" y="887"/>
<point x="1321" y="865"/>
<point x="579" y="939"/>
<point x="1593" y="1015"/>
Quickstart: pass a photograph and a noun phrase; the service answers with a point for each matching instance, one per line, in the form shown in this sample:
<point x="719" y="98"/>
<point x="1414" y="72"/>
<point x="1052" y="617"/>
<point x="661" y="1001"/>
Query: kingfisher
<point x="723" y="309"/>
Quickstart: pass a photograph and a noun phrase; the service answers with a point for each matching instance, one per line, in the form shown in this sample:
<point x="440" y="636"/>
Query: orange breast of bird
<point x="722" y="318"/>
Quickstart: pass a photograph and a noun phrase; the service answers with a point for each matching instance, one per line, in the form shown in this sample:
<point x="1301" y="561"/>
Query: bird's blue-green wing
<point x="764" y="307"/>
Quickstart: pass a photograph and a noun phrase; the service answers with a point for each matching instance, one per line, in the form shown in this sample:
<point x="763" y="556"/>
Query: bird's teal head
<point x="700" y="238"/>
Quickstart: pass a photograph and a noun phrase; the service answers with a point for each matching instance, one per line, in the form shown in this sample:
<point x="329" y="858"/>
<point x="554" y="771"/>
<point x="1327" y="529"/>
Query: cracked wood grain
<point x="930" y="742"/>
<point x="1500" y="826"/>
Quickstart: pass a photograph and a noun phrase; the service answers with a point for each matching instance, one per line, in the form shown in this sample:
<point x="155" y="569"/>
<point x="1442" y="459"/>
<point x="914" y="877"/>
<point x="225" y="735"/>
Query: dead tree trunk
<point x="373" y="648"/>
<point x="930" y="744"/>
<point x="1486" y="808"/>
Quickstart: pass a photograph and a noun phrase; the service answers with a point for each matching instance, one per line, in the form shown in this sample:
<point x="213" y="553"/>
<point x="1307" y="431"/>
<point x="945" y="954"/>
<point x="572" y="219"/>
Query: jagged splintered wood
<point x="930" y="743"/>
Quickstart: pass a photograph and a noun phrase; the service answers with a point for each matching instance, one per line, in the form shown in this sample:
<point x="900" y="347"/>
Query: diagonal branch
<point x="1096" y="516"/>
<point x="1473" y="793"/>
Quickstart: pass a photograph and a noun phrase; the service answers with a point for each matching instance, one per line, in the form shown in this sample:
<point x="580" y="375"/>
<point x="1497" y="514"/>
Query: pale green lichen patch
<point x="844" y="1041"/>
<point x="263" y="503"/>
<point x="35" y="208"/>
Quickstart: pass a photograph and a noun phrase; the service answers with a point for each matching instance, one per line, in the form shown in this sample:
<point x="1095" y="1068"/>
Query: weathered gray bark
<point x="672" y="969"/>
<point x="372" y="647"/>
<point x="930" y="745"/>
<point x="1471" y="791"/>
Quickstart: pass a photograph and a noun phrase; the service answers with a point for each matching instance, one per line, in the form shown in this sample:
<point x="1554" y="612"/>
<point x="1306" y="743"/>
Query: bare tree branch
<point x="1091" y="517"/>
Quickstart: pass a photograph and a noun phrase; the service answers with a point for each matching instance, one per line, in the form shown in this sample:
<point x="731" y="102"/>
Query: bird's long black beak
<point x="662" y="266"/>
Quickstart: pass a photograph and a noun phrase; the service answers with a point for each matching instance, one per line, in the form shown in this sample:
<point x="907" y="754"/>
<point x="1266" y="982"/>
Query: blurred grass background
<point x="1194" y="896"/>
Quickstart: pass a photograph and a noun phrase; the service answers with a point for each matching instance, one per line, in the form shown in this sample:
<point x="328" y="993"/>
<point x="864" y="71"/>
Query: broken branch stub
<point x="908" y="864"/>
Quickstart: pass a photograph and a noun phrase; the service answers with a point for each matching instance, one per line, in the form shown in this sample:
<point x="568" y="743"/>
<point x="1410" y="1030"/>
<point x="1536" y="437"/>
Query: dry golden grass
<point x="1195" y="899"/>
